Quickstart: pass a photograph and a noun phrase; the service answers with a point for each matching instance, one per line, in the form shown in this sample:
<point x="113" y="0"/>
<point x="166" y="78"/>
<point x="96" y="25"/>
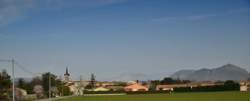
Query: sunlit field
<point x="208" y="96"/>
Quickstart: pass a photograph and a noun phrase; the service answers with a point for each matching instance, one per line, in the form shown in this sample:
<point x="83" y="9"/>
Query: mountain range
<point x="225" y="72"/>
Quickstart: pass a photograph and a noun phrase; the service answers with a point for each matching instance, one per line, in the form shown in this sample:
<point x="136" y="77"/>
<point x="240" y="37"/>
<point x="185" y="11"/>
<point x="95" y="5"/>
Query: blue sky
<point x="111" y="37"/>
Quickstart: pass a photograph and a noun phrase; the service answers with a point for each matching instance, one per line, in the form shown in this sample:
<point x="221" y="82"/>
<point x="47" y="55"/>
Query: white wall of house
<point x="243" y="88"/>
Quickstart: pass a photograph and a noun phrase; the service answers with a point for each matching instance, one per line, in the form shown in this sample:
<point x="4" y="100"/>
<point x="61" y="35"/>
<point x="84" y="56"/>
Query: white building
<point x="76" y="87"/>
<point x="245" y="86"/>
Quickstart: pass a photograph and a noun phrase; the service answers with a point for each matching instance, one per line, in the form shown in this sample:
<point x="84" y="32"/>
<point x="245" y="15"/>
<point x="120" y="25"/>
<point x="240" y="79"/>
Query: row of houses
<point x="77" y="87"/>
<point x="136" y="86"/>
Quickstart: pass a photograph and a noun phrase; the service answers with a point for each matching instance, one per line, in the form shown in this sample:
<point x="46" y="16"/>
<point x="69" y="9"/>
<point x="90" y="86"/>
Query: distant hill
<point x="182" y="74"/>
<point x="136" y="76"/>
<point x="225" y="72"/>
<point x="129" y="77"/>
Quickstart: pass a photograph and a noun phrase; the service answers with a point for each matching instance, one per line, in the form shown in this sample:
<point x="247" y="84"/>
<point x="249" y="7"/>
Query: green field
<point x="210" y="96"/>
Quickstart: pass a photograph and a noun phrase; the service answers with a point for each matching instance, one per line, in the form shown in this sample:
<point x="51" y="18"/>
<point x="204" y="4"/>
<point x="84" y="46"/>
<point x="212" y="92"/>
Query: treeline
<point x="5" y="85"/>
<point x="38" y="85"/>
<point x="227" y="86"/>
<point x="166" y="81"/>
<point x="41" y="84"/>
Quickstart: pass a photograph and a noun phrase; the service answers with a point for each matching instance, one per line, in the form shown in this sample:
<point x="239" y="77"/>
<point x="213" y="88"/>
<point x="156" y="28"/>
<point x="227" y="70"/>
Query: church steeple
<point x="67" y="72"/>
<point x="66" y="75"/>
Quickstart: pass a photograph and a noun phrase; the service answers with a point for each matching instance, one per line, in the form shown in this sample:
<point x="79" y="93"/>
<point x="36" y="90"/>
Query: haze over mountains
<point x="225" y="72"/>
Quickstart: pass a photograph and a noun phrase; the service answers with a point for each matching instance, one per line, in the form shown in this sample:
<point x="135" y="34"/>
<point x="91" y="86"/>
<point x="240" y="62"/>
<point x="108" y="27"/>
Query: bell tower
<point x="66" y="75"/>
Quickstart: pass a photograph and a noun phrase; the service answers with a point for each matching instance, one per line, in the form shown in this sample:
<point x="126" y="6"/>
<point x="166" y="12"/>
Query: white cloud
<point x="200" y="16"/>
<point x="14" y="10"/>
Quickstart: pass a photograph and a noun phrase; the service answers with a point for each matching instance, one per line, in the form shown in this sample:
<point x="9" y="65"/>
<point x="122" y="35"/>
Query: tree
<point x="5" y="85"/>
<point x="36" y="81"/>
<point x="64" y="90"/>
<point x="167" y="80"/>
<point x="88" y="86"/>
<point x="38" y="89"/>
<point x="29" y="86"/>
<point x="21" y="83"/>
<point x="25" y="85"/>
<point x="46" y="77"/>
<point x="153" y="84"/>
<point x="92" y="81"/>
<point x="231" y="85"/>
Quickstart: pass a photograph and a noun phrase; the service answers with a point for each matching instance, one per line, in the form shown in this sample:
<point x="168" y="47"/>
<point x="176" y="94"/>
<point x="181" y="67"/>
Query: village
<point x="92" y="87"/>
<point x="77" y="87"/>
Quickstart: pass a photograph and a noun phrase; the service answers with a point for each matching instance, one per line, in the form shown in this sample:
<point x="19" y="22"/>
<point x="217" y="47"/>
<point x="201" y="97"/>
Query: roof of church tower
<point x="67" y="72"/>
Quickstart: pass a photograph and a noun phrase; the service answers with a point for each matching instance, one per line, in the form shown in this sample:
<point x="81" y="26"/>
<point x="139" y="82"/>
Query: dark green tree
<point x="36" y="81"/>
<point x="25" y="85"/>
<point x="21" y="83"/>
<point x="5" y="85"/>
<point x="153" y="84"/>
<point x="231" y="85"/>
<point x="46" y="77"/>
<point x="92" y="81"/>
<point x="168" y="80"/>
<point x="62" y="89"/>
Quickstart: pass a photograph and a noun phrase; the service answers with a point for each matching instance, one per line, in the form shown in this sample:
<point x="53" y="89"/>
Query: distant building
<point x="76" y="87"/>
<point x="101" y="89"/>
<point x="245" y="86"/>
<point x="66" y="75"/>
<point x="131" y="82"/>
<point x="136" y="87"/>
<point x="104" y="84"/>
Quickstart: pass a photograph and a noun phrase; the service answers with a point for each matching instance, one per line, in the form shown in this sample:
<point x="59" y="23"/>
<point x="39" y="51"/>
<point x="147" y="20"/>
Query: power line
<point x="21" y="67"/>
<point x="26" y="70"/>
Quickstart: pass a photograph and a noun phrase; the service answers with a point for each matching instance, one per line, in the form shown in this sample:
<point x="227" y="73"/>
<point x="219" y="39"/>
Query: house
<point x="136" y="87"/>
<point x="76" y="87"/>
<point x="245" y="86"/>
<point x="101" y="89"/>
<point x="104" y="84"/>
<point x="170" y="87"/>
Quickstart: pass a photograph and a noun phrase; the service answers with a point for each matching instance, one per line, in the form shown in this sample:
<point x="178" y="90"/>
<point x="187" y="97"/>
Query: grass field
<point x="210" y="96"/>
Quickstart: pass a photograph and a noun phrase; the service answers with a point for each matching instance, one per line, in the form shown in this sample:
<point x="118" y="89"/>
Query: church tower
<point x="66" y="75"/>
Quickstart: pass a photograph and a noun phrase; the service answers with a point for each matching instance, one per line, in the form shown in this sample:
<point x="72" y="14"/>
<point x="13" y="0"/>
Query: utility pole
<point x="12" y="61"/>
<point x="49" y="87"/>
<point x="80" y="87"/>
<point x="13" y="78"/>
<point x="61" y="84"/>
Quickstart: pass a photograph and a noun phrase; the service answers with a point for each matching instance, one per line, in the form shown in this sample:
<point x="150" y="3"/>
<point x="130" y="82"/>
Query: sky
<point x="112" y="37"/>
